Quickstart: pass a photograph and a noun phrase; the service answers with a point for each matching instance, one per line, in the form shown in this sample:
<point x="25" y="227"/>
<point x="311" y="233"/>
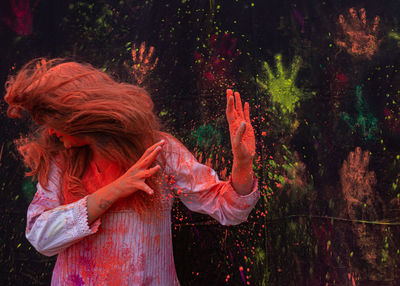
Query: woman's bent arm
<point x="101" y="200"/>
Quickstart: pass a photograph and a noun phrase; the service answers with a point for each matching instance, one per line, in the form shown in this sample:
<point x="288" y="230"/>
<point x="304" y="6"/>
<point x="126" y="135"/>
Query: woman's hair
<point x="80" y="100"/>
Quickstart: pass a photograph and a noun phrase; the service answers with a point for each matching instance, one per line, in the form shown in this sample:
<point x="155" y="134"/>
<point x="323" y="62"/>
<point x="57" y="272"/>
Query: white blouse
<point x="120" y="247"/>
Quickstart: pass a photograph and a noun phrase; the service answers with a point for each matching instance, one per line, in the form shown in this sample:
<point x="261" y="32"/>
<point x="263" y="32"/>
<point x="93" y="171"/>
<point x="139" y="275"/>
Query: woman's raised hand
<point x="240" y="129"/>
<point x="134" y="179"/>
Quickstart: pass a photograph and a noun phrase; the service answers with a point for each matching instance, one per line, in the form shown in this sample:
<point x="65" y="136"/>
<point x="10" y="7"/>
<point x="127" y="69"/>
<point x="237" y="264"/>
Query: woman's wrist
<point x="242" y="176"/>
<point x="243" y="163"/>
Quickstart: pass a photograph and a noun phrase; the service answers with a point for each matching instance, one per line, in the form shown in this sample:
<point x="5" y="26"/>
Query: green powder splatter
<point x="207" y="136"/>
<point x="28" y="189"/>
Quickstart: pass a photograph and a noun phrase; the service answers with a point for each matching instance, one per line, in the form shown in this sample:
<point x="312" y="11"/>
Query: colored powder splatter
<point x="242" y="274"/>
<point x="395" y="36"/>
<point x="28" y="189"/>
<point x="76" y="280"/>
<point x="392" y="120"/>
<point x="299" y="19"/>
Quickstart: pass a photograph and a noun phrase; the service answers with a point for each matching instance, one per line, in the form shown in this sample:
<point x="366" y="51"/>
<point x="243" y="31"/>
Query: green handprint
<point x="365" y="120"/>
<point x="282" y="85"/>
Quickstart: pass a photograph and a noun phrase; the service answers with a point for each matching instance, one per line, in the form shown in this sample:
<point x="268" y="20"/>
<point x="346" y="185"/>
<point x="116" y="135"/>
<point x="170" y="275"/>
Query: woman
<point x="102" y="203"/>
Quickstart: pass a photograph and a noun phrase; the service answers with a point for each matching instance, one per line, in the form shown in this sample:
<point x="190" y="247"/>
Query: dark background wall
<point x="326" y="217"/>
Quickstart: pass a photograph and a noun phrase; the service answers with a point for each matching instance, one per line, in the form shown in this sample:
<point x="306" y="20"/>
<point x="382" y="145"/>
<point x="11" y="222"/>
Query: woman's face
<point x="69" y="141"/>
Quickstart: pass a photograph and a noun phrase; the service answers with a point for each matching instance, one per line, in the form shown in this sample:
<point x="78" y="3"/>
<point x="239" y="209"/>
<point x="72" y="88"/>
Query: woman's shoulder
<point x="173" y="145"/>
<point x="57" y="163"/>
<point x="171" y="151"/>
<point x="55" y="169"/>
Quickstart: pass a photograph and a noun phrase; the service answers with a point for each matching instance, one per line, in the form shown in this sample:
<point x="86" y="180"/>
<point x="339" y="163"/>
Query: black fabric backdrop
<point x="314" y="224"/>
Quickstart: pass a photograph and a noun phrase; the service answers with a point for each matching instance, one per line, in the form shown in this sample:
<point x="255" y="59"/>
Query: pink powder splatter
<point x="299" y="19"/>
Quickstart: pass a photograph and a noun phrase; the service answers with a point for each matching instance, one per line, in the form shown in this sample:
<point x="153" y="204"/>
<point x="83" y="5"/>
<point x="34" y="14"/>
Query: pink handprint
<point x="358" y="189"/>
<point x="357" y="181"/>
<point x="142" y="65"/>
<point x="215" y="65"/>
<point x="20" y="18"/>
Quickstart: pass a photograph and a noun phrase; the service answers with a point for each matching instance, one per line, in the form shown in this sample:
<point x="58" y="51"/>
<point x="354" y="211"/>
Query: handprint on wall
<point x="359" y="38"/>
<point x="282" y="84"/>
<point x="20" y="17"/>
<point x="143" y="62"/>
<point x="358" y="185"/>
<point x="357" y="182"/>
<point x="365" y="121"/>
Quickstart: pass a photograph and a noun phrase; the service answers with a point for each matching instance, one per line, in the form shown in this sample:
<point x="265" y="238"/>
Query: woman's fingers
<point x="150" y="172"/>
<point x="247" y="112"/>
<point x="230" y="105"/>
<point x="234" y="107"/>
<point x="146" y="188"/>
<point x="149" y="159"/>
<point x="151" y="149"/>
<point x="154" y="146"/>
<point x="229" y="93"/>
<point x="134" y="178"/>
<point x="240" y="133"/>
<point x="239" y="107"/>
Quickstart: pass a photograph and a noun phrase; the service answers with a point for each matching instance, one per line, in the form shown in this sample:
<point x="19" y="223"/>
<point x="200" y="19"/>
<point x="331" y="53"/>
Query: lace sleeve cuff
<point x="80" y="217"/>
<point x="246" y="200"/>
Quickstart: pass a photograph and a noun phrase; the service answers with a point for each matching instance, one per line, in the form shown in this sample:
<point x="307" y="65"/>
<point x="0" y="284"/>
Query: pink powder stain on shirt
<point x="87" y="260"/>
<point x="75" y="280"/>
<point x="109" y="266"/>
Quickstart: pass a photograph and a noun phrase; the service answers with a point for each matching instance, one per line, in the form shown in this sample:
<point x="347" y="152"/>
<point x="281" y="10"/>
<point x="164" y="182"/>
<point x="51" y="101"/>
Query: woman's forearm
<point x="101" y="200"/>
<point x="242" y="177"/>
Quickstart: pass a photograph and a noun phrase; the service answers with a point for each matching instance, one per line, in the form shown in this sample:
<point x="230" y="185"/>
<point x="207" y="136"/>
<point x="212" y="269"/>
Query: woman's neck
<point x="97" y="159"/>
